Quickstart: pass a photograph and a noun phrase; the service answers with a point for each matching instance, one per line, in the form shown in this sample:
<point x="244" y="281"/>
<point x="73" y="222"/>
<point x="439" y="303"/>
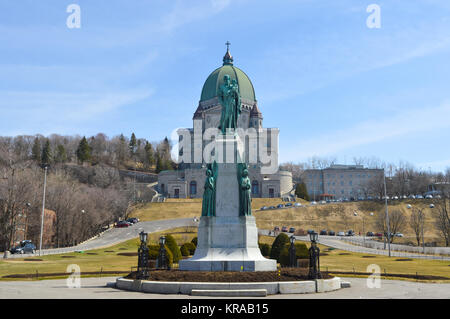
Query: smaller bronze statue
<point x="209" y="194"/>
<point x="245" y="199"/>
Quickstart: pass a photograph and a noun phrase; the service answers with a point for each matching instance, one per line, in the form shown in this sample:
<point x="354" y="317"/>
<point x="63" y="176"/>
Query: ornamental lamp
<point x="313" y="237"/>
<point x="143" y="236"/>
<point x="292" y="239"/>
<point x="162" y="240"/>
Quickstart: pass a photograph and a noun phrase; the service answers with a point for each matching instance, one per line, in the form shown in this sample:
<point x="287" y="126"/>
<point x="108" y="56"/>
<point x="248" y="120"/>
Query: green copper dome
<point x="215" y="80"/>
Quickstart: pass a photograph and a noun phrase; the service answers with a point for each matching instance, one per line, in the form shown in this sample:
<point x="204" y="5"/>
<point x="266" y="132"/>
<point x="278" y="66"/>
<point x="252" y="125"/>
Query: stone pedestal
<point x="227" y="241"/>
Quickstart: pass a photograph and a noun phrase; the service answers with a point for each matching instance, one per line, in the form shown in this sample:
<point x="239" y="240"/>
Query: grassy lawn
<point x="340" y="260"/>
<point x="105" y="259"/>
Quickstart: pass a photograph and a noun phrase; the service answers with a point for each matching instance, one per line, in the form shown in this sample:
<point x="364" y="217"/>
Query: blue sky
<point x="334" y="87"/>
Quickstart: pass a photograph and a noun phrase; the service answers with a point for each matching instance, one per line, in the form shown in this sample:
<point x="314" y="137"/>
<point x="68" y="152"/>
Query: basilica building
<point x="188" y="180"/>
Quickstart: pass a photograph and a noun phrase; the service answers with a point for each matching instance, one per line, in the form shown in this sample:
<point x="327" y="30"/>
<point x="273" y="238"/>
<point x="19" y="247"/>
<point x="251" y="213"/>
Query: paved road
<point x="117" y="235"/>
<point x="96" y="288"/>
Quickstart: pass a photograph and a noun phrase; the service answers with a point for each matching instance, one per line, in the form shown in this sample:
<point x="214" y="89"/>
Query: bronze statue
<point x="209" y="194"/>
<point x="245" y="186"/>
<point x="230" y="100"/>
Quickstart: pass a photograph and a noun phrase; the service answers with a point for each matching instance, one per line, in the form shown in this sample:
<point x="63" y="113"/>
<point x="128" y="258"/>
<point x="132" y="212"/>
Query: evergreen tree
<point x="83" y="151"/>
<point x="278" y="245"/>
<point x="301" y="191"/>
<point x="61" y="154"/>
<point x="159" y="163"/>
<point x="149" y="156"/>
<point x="122" y="152"/>
<point x="46" y="153"/>
<point x="36" y="150"/>
<point x="133" y="144"/>
<point x="173" y="246"/>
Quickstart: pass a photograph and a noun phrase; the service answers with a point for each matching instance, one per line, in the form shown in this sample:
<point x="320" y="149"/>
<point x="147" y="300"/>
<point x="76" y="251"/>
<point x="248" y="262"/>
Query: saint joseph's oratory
<point x="188" y="180"/>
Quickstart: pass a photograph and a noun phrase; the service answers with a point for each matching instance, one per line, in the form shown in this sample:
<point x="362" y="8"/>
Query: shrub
<point x="265" y="249"/>
<point x="191" y="248"/>
<point x="278" y="245"/>
<point x="187" y="249"/>
<point x="154" y="252"/>
<point x="194" y="241"/>
<point x="173" y="246"/>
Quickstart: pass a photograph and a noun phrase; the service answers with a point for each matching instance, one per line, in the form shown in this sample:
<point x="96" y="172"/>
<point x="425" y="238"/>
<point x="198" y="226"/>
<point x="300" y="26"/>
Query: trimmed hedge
<point x="194" y="241"/>
<point x="301" y="252"/>
<point x="173" y="246"/>
<point x="265" y="249"/>
<point x="187" y="249"/>
<point x="278" y="245"/>
<point x="154" y="252"/>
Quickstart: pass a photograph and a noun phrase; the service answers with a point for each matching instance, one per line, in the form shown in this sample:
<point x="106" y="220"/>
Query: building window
<point x="193" y="188"/>
<point x="350" y="183"/>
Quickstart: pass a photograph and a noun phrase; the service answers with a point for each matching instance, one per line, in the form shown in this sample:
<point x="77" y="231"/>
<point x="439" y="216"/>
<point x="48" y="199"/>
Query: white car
<point x="398" y="235"/>
<point x="298" y="205"/>
<point x="313" y="203"/>
<point x="429" y="196"/>
<point x="341" y="233"/>
<point x="395" y="197"/>
<point x="419" y="197"/>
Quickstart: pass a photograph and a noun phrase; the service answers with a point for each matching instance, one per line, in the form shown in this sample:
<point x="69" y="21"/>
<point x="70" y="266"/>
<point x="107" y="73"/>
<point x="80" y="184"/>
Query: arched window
<point x="255" y="188"/>
<point x="193" y="188"/>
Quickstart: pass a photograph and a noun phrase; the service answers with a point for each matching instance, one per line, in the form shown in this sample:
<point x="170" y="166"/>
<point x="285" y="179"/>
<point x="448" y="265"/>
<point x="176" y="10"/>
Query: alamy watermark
<point x="74" y="280"/>
<point x="374" y="19"/>
<point x="374" y="280"/>
<point x="74" y="19"/>
<point x="253" y="146"/>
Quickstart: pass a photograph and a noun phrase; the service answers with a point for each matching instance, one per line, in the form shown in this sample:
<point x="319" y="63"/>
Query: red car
<point x="122" y="223"/>
<point x="284" y="229"/>
<point x="378" y="234"/>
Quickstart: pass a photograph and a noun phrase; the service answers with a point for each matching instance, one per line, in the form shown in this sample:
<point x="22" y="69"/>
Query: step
<point x="230" y="293"/>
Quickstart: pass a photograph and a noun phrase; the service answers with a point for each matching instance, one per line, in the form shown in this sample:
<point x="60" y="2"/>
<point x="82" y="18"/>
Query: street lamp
<point x="387" y="215"/>
<point x="314" y="253"/>
<point x="162" y="264"/>
<point x="143" y="257"/>
<point x="45" y="167"/>
<point x="292" y="253"/>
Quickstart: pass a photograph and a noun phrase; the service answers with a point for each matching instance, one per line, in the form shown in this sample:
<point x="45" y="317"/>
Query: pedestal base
<point x="228" y="244"/>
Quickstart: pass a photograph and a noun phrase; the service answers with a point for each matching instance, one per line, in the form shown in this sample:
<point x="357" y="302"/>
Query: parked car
<point x="411" y="196"/>
<point x="280" y="206"/>
<point x="370" y="234"/>
<point x="133" y="220"/>
<point x="419" y="197"/>
<point x="350" y="233"/>
<point x="313" y="203"/>
<point x="264" y="208"/>
<point x="429" y="196"/>
<point x="288" y="205"/>
<point x="322" y="202"/>
<point x="398" y="235"/>
<point x="292" y="230"/>
<point x="323" y="232"/>
<point x="24" y="247"/>
<point x="341" y="233"/>
<point x="272" y="207"/>
<point x="284" y="229"/>
<point x="395" y="197"/>
<point x="276" y="228"/>
<point x="331" y="233"/>
<point x="297" y="205"/>
<point x="122" y="223"/>
<point x="378" y="234"/>
<point x="310" y="231"/>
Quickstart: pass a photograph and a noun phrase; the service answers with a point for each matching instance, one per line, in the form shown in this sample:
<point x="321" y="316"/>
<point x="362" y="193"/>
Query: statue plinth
<point x="228" y="241"/>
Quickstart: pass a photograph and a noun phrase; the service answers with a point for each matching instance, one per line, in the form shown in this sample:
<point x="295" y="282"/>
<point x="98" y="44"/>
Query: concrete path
<point x="96" y="288"/>
<point x="117" y="235"/>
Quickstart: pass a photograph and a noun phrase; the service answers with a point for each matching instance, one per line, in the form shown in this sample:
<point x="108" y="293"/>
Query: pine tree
<point x="36" y="150"/>
<point x="159" y="163"/>
<point x="46" y="153"/>
<point x="83" y="151"/>
<point x="149" y="156"/>
<point x="61" y="154"/>
<point x="133" y="144"/>
<point x="301" y="191"/>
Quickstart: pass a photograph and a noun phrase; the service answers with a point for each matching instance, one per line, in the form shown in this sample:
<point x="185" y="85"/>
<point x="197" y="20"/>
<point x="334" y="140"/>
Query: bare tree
<point x="417" y="223"/>
<point x="442" y="221"/>
<point x="397" y="222"/>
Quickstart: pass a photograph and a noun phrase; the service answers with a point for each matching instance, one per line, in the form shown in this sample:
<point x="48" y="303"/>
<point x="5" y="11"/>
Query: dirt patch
<point x="91" y="254"/>
<point x="108" y="251"/>
<point x="123" y="248"/>
<point x="344" y="254"/>
<point x="369" y="256"/>
<point x="286" y="274"/>
<point x="67" y="256"/>
<point x="32" y="259"/>
<point x="128" y="254"/>
<point x="404" y="259"/>
<point x="323" y="254"/>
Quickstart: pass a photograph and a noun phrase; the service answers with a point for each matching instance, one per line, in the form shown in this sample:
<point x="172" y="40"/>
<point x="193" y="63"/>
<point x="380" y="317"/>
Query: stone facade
<point x="341" y="181"/>
<point x="188" y="181"/>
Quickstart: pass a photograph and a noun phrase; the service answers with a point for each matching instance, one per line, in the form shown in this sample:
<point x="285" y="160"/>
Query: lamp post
<point x="162" y="253"/>
<point x="387" y="215"/>
<point x="292" y="253"/>
<point x="45" y="167"/>
<point x="143" y="257"/>
<point x="314" y="253"/>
